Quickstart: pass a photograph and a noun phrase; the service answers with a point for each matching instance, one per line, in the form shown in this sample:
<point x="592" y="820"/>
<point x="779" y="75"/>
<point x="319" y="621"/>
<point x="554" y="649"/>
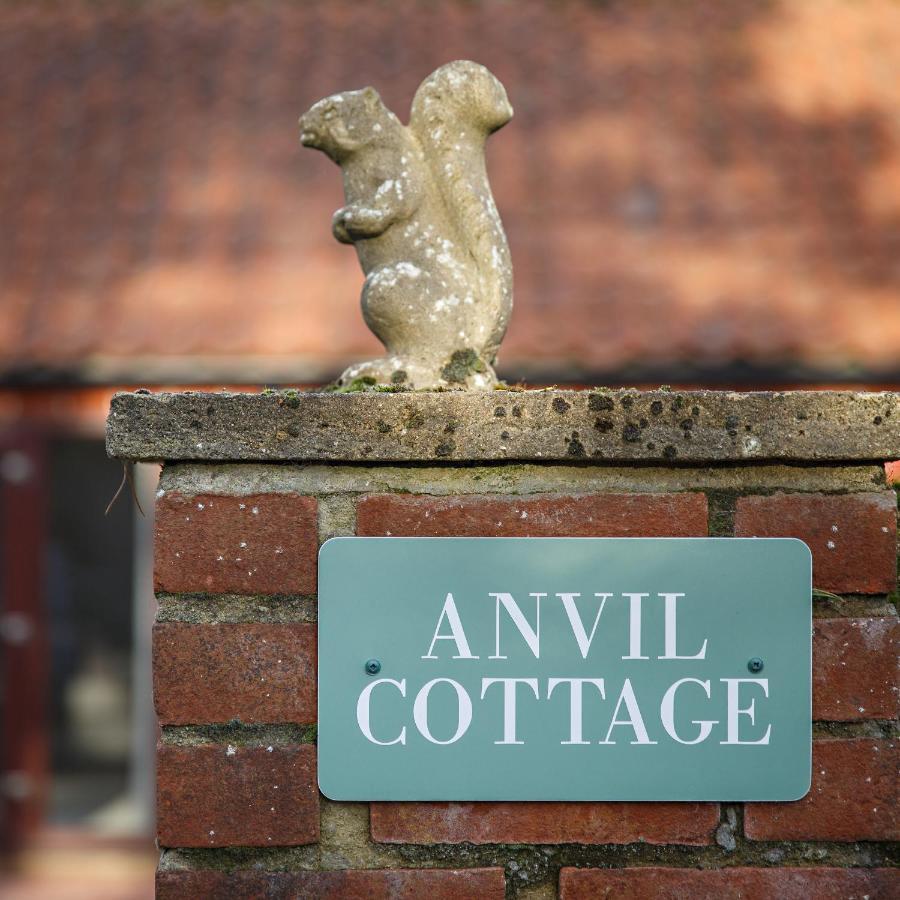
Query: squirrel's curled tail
<point x="453" y="112"/>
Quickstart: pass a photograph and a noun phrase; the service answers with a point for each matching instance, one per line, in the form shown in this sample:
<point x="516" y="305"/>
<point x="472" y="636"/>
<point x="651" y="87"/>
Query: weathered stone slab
<point x="191" y="479"/>
<point x="548" y="425"/>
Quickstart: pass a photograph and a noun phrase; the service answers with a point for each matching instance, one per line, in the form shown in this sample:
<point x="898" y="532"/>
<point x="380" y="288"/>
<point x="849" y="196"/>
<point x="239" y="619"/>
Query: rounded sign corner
<point x="805" y="790"/>
<point x="326" y="791"/>
<point x="330" y="543"/>
<point x="803" y="544"/>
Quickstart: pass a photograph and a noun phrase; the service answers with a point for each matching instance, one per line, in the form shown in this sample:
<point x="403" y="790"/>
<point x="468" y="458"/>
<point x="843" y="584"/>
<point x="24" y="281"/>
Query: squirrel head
<point x="344" y="123"/>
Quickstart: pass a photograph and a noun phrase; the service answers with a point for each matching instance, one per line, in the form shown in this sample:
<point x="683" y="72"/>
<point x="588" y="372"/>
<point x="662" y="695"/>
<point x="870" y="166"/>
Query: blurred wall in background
<point x="695" y="193"/>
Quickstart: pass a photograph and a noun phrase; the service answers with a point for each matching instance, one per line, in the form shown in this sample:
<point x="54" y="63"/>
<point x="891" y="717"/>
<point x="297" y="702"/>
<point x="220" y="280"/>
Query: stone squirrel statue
<point x="419" y="209"/>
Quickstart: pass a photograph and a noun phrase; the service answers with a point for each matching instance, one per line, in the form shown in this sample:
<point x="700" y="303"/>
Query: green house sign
<point x="564" y="669"/>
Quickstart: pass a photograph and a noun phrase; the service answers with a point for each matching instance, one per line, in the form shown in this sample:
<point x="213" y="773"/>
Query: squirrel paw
<point x="339" y="228"/>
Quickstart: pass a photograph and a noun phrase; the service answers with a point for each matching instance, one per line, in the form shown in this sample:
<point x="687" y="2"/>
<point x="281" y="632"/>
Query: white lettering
<point x="509" y="703"/>
<point x="362" y="711"/>
<point x="463" y="711"/>
<point x="581" y="636"/>
<point x="532" y="635"/>
<point x="575" y="704"/>
<point x="634" y="629"/>
<point x="670" y="638"/>
<point x="458" y="635"/>
<point x="667" y="712"/>
<point x="635" y="720"/>
<point x="735" y="711"/>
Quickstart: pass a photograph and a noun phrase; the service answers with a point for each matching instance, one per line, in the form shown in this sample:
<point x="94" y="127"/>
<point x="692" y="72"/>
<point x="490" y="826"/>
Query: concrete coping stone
<point x="660" y="426"/>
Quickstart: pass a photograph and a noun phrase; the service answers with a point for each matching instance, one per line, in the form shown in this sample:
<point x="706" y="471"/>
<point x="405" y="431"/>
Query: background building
<point x="695" y="193"/>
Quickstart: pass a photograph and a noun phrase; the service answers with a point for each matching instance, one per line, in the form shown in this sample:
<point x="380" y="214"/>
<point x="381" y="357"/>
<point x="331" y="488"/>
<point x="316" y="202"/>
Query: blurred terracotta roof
<point x="684" y="184"/>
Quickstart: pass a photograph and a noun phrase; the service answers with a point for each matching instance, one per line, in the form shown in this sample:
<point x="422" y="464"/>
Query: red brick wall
<point x="235" y="683"/>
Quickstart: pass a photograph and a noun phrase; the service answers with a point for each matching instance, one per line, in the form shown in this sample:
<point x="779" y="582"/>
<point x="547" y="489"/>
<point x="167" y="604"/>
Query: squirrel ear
<point x="371" y="95"/>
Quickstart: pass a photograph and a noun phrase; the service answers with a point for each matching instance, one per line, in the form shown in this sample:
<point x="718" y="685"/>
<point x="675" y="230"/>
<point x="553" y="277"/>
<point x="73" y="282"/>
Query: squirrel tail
<point x="453" y="112"/>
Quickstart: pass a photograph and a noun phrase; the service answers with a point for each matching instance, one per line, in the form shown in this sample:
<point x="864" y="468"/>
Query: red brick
<point x="853" y="797"/>
<point x="853" y="537"/>
<point x="374" y="884"/>
<point x="892" y="472"/>
<point x="254" y="544"/>
<point x="855" y="669"/>
<point x="248" y="672"/>
<point x="544" y="823"/>
<point x="728" y="884"/>
<point x="215" y="795"/>
<point x="589" y="515"/>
